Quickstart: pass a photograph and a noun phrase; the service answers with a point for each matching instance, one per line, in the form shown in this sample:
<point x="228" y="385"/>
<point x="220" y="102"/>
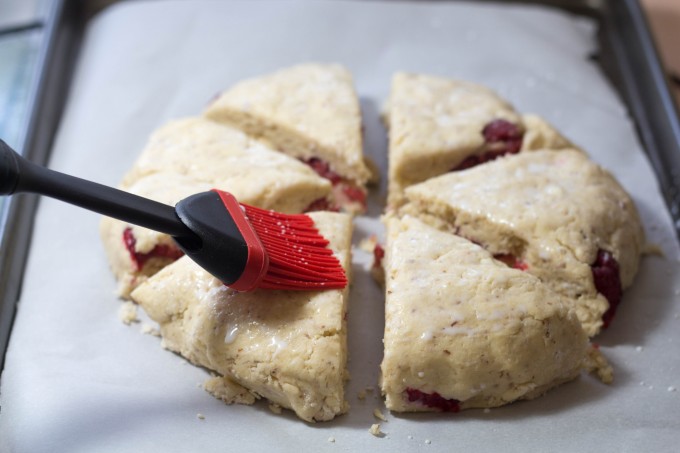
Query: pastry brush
<point x="243" y="246"/>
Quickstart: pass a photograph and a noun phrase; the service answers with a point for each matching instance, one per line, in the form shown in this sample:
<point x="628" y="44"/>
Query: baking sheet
<point x="76" y="379"/>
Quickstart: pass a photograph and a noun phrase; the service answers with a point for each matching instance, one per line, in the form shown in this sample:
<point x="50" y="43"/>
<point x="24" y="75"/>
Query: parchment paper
<point x="78" y="380"/>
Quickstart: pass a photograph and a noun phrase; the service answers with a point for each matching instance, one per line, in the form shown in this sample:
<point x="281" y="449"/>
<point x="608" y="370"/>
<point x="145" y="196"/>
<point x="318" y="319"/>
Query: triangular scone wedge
<point x="227" y="158"/>
<point x="437" y="125"/>
<point x="463" y="330"/>
<point x="311" y="112"/>
<point x="286" y="346"/>
<point x="193" y="155"/>
<point x="555" y="214"/>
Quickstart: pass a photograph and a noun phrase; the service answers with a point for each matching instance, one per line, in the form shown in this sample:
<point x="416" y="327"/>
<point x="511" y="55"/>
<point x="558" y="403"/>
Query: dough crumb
<point x="228" y="391"/>
<point x="410" y="436"/>
<point x="368" y="244"/>
<point x="148" y="329"/>
<point x="331" y="439"/>
<point x="671" y="389"/>
<point x="597" y="364"/>
<point x="362" y="393"/>
<point x="379" y="415"/>
<point x="128" y="313"/>
<point x="652" y="249"/>
<point x="200" y="416"/>
<point x="428" y="441"/>
<point x="639" y="348"/>
<point x="374" y="169"/>
<point x="275" y="408"/>
<point x="375" y="430"/>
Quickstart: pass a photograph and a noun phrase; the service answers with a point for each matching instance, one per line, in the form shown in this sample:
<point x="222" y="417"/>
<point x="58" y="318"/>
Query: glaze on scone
<point x="193" y="155"/>
<point x="286" y="346"/>
<point x="554" y="214"/>
<point x="463" y="330"/>
<point x="311" y="112"/>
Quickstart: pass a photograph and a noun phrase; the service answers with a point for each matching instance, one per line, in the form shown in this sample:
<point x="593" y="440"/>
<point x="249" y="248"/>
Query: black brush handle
<point x="20" y="175"/>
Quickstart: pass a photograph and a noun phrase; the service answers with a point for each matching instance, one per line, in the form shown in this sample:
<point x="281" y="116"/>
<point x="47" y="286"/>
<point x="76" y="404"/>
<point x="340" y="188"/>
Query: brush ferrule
<point x="258" y="261"/>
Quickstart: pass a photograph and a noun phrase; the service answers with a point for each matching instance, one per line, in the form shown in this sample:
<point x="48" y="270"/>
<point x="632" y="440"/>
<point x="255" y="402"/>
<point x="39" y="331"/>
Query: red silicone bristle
<point x="298" y="255"/>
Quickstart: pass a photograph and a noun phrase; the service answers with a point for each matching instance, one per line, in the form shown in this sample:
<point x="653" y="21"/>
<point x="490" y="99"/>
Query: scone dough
<point x="437" y="124"/>
<point x="309" y="111"/>
<point x="228" y="159"/>
<point x="193" y="155"/>
<point x="133" y="263"/>
<point x="463" y="330"/>
<point x="434" y="124"/>
<point x="554" y="211"/>
<point x="286" y="346"/>
<point x="539" y="134"/>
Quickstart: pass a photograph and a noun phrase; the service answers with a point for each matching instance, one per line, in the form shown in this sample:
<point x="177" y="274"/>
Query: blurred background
<point x="664" y="19"/>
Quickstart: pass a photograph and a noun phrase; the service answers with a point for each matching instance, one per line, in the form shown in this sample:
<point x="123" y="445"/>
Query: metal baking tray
<point x="626" y="54"/>
<point x="61" y="32"/>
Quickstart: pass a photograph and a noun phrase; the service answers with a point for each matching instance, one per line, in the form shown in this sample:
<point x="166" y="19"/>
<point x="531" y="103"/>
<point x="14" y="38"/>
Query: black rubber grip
<point x="20" y="175"/>
<point x="224" y="252"/>
<point x="9" y="169"/>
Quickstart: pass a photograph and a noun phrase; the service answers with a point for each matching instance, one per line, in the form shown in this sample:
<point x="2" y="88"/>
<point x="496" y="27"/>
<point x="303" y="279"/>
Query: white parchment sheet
<point x="78" y="380"/>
